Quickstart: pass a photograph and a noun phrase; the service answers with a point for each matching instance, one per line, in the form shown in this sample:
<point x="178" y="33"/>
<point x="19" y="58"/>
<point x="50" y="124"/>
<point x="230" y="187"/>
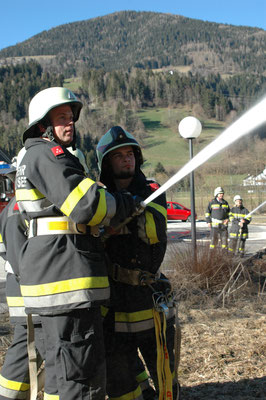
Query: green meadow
<point x="163" y="143"/>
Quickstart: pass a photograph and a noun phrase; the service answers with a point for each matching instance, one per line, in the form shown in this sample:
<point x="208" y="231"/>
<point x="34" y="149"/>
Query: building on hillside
<point x="252" y="180"/>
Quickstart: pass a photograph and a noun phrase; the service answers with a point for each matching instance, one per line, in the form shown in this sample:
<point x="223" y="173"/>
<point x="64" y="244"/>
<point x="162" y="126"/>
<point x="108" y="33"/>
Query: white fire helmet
<point x="45" y="101"/>
<point x="218" y="190"/>
<point x="237" y="197"/>
<point x="78" y="153"/>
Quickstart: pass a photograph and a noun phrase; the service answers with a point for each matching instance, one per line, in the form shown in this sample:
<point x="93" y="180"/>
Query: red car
<point x="175" y="211"/>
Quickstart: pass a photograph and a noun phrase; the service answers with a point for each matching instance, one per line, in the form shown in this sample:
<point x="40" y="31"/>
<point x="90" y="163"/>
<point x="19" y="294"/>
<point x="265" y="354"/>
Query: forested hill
<point x="147" y="40"/>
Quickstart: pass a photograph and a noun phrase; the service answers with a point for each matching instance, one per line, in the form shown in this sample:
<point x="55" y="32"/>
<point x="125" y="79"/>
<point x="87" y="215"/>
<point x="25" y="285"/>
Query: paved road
<point x="181" y="231"/>
<point x="179" y="235"/>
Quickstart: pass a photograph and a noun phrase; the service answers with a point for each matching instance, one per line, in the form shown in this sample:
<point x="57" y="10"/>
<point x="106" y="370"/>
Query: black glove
<point x="125" y="206"/>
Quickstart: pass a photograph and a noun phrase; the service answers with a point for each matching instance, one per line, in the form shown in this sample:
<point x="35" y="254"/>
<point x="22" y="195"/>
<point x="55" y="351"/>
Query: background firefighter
<point x="238" y="232"/>
<point x="217" y="217"/>
<point x="14" y="378"/>
<point x="134" y="255"/>
<point x="63" y="273"/>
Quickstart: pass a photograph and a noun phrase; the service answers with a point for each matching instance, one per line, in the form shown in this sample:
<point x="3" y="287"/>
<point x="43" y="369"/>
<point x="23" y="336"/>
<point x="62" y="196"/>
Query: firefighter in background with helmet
<point x="14" y="378"/>
<point x="135" y="254"/>
<point x="62" y="268"/>
<point x="238" y="232"/>
<point x="217" y="218"/>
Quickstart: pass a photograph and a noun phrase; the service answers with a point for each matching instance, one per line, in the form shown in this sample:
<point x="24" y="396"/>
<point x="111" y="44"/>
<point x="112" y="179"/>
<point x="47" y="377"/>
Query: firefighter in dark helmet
<point x="62" y="268"/>
<point x="217" y="218"/>
<point x="238" y="232"/>
<point x="138" y="289"/>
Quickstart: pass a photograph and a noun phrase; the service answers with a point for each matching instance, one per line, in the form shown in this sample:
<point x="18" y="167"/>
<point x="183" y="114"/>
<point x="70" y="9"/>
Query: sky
<point x="22" y="19"/>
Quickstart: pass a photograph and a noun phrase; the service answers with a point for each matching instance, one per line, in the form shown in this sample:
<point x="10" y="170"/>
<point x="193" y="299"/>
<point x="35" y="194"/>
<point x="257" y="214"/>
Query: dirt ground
<point x="223" y="353"/>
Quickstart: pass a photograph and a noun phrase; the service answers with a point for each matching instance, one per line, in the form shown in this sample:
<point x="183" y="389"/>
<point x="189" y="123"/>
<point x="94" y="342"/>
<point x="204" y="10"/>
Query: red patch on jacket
<point x="16" y="207"/>
<point x="57" y="151"/>
<point x="154" y="186"/>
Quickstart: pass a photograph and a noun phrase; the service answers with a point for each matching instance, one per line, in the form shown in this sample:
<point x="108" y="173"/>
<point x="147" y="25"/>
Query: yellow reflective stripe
<point x="239" y="215"/>
<point x="15" y="301"/>
<point x="151" y="228"/>
<point x="134" y="316"/>
<point x="150" y="225"/>
<point x="101" y="209"/>
<point x="28" y="194"/>
<point x="1" y="239"/>
<point x="58" y="226"/>
<point x="74" y="197"/>
<point x="50" y="396"/>
<point x="159" y="208"/>
<point x="104" y="311"/>
<point x="64" y="286"/>
<point x="143" y="376"/>
<point x="13" y="385"/>
<point x="129" y="396"/>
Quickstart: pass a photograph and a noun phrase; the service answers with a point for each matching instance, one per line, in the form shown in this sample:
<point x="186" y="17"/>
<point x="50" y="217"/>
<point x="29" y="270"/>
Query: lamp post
<point x="190" y="128"/>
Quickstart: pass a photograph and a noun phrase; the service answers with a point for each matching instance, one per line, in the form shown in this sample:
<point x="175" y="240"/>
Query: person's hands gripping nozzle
<point x="139" y="205"/>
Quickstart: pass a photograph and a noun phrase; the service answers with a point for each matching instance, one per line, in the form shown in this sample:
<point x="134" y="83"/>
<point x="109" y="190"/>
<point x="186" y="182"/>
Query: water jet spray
<point x="244" y="125"/>
<point x="255" y="209"/>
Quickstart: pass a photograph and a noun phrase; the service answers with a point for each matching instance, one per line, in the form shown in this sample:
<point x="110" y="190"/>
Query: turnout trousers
<point x="233" y="244"/>
<point x="217" y="233"/>
<point x="123" y="363"/>
<point x="14" y="378"/>
<point x="75" y="359"/>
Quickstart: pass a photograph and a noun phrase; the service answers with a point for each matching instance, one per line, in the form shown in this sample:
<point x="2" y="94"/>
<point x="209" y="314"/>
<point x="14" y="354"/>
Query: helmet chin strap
<point x="49" y="133"/>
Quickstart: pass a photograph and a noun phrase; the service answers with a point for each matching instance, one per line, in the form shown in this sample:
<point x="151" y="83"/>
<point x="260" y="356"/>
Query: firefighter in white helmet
<point x="217" y="218"/>
<point x="135" y="254"/>
<point x="14" y="378"/>
<point x="63" y="272"/>
<point x="238" y="232"/>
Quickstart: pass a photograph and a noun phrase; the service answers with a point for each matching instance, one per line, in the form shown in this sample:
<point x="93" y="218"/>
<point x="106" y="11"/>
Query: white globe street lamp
<point x="190" y="128"/>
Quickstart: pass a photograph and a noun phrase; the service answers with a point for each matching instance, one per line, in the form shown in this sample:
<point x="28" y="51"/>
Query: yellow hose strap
<point x="32" y="359"/>
<point x="177" y="347"/>
<point x="165" y="380"/>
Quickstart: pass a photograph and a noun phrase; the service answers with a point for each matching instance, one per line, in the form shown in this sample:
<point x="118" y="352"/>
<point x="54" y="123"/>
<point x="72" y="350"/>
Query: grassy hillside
<point x="163" y="142"/>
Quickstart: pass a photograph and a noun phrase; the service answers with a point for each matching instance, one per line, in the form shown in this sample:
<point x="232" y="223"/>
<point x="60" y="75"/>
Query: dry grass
<point x="222" y="315"/>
